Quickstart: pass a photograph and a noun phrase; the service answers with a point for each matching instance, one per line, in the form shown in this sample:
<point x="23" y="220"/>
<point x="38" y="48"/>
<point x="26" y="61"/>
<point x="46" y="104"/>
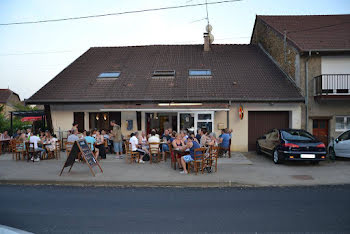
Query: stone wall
<point x="274" y="44"/>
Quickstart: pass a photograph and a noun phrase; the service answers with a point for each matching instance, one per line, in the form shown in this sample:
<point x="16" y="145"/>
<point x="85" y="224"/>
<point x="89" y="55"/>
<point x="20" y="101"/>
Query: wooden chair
<point x="172" y="157"/>
<point x="132" y="156"/>
<point x="57" y="152"/>
<point x="68" y="146"/>
<point x="198" y="159"/>
<point x="19" y="149"/>
<point x="154" y="152"/>
<point x="214" y="155"/>
<point x="166" y="153"/>
<point x="30" y="151"/>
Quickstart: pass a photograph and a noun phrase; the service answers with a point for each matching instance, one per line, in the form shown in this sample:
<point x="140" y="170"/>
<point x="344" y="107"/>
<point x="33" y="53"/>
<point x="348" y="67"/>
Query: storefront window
<point x="187" y="121"/>
<point x="204" y="116"/>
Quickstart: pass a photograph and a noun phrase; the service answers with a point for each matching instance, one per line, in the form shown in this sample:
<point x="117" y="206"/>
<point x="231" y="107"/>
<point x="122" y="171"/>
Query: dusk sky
<point x="33" y="54"/>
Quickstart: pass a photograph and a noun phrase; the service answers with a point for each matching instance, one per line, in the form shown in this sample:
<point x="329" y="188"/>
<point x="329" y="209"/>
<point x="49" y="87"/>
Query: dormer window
<point x="109" y="75"/>
<point x="199" y="72"/>
<point x="163" y="74"/>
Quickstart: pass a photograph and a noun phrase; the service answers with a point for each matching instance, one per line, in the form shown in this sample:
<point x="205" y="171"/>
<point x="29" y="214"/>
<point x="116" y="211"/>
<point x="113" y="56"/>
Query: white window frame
<point x="196" y="113"/>
<point x="345" y="118"/>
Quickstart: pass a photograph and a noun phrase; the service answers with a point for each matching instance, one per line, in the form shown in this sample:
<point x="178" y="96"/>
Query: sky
<point x="33" y="54"/>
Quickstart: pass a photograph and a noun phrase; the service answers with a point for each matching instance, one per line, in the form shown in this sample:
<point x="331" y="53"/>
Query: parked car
<point x="291" y="144"/>
<point x="340" y="146"/>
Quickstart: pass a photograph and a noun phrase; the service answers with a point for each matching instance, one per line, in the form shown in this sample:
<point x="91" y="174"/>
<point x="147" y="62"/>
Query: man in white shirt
<point x="134" y="142"/>
<point x="153" y="139"/>
<point x="73" y="137"/>
<point x="35" y="139"/>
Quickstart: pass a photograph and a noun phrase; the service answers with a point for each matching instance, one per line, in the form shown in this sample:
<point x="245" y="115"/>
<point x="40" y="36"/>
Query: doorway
<point x="161" y="121"/>
<point x="320" y="130"/>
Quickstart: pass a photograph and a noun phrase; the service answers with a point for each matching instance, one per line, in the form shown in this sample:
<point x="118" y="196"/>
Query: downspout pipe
<point x="307" y="91"/>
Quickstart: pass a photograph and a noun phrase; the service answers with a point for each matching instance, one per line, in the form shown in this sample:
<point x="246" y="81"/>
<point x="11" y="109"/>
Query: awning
<point x="31" y="118"/>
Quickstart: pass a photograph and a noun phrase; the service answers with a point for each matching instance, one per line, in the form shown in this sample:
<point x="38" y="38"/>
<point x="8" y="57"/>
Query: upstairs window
<point x="109" y="75"/>
<point x="200" y="73"/>
<point x="163" y="74"/>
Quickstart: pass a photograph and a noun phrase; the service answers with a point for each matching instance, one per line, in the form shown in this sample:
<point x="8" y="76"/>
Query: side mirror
<point x="336" y="140"/>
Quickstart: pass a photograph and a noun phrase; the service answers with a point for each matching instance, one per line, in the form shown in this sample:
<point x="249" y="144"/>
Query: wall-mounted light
<point x="97" y="117"/>
<point x="105" y="116"/>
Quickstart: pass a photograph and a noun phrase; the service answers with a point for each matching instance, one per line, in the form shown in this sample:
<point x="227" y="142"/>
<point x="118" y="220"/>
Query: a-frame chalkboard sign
<point x="82" y="149"/>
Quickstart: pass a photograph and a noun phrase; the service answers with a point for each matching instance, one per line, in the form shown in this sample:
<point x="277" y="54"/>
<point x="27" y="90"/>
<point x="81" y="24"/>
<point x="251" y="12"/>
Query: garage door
<point x="259" y="122"/>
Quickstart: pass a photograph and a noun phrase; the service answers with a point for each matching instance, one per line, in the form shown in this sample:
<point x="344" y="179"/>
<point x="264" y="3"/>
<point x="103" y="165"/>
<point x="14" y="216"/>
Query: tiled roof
<point x="239" y="72"/>
<point x="5" y="94"/>
<point x="313" y="32"/>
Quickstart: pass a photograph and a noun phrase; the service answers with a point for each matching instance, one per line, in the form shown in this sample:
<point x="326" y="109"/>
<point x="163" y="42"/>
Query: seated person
<point x="153" y="139"/>
<point x="135" y="147"/>
<point x="73" y="137"/>
<point x="143" y="142"/>
<point x="51" y="141"/>
<point x="35" y="139"/>
<point x="204" y="137"/>
<point x="166" y="138"/>
<point x="191" y="145"/>
<point x="92" y="141"/>
<point x="178" y="145"/>
<point x="100" y="145"/>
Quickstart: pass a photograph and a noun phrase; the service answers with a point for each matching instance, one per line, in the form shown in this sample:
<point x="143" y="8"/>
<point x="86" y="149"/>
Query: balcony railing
<point x="332" y="85"/>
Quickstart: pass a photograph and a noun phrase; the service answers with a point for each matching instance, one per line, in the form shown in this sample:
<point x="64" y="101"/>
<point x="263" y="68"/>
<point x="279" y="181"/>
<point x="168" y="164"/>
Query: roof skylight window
<point x="203" y="72"/>
<point x="164" y="73"/>
<point x="109" y="75"/>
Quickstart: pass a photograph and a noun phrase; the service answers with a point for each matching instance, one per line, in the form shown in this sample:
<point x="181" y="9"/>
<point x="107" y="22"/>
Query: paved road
<point x="51" y="209"/>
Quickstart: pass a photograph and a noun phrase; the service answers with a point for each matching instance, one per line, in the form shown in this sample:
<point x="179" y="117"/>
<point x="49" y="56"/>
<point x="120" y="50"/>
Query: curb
<point x="227" y="184"/>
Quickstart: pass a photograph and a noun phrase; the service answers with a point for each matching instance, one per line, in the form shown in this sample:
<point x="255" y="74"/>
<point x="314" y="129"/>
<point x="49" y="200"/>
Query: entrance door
<point x="320" y="130"/>
<point x="79" y="119"/>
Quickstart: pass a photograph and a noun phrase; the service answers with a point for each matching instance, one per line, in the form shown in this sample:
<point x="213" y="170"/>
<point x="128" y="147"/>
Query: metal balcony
<point x="332" y="86"/>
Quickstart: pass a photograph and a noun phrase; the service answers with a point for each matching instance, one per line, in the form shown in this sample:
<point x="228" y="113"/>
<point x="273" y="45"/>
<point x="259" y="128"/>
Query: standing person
<point x="117" y="140"/>
<point x="192" y="145"/>
<point x="224" y="141"/>
<point x="100" y="145"/>
<point x="74" y="127"/>
<point x="134" y="142"/>
<point x="28" y="132"/>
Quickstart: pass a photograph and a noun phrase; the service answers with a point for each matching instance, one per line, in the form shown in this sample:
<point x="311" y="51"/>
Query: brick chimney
<point x="206" y="42"/>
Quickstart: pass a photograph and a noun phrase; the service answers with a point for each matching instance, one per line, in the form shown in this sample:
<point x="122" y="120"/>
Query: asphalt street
<point x="56" y="209"/>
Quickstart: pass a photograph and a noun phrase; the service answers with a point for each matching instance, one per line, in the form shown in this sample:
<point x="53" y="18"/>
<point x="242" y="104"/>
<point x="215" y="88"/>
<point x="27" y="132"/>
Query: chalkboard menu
<point x="89" y="156"/>
<point x="81" y="148"/>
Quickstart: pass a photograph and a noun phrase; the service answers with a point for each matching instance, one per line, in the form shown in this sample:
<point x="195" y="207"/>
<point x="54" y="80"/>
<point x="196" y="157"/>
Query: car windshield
<point x="297" y="135"/>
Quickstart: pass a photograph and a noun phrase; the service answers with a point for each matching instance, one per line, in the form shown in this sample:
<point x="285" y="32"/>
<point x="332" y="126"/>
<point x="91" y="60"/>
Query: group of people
<point x="97" y="138"/>
<point x="183" y="143"/>
<point x="42" y="142"/>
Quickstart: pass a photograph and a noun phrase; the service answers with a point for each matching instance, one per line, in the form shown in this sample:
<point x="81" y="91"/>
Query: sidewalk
<point x="245" y="169"/>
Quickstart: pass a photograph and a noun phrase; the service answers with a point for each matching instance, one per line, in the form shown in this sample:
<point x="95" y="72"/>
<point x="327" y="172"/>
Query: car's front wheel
<point x="277" y="157"/>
